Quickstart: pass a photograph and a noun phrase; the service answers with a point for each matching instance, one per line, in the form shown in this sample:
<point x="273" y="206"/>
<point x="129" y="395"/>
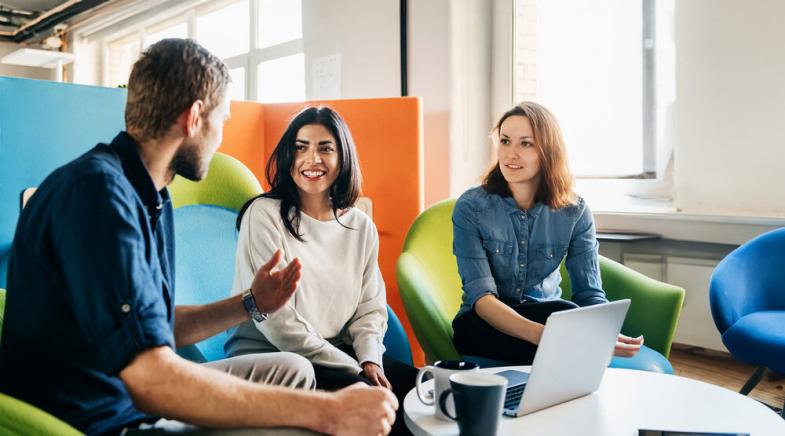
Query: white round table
<point x="626" y="401"/>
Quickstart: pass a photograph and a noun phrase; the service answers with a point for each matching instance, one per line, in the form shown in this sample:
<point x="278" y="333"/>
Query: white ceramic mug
<point x="441" y="372"/>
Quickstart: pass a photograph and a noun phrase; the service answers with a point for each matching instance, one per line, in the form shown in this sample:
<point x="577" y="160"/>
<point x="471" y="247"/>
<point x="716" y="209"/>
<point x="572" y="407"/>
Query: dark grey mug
<point x="479" y="398"/>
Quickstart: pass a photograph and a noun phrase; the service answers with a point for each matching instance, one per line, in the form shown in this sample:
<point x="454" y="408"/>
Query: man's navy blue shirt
<point x="90" y="285"/>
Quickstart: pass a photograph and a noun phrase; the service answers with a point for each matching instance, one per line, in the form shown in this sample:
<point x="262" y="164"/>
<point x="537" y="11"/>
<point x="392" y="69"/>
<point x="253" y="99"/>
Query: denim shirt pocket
<point x="546" y="259"/>
<point x="500" y="256"/>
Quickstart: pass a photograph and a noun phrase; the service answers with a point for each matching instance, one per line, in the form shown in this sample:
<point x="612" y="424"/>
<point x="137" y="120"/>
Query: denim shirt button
<point x="522" y="265"/>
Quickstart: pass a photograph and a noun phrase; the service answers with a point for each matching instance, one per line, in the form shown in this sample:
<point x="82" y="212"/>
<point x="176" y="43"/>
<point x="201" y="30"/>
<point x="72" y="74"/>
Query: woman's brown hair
<point x="556" y="181"/>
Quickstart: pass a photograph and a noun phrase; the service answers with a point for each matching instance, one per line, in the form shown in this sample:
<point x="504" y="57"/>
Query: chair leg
<point x="753" y="380"/>
<point x="783" y="411"/>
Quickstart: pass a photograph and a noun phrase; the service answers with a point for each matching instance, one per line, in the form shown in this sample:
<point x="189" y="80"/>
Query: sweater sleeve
<point x="260" y="235"/>
<point x="369" y="323"/>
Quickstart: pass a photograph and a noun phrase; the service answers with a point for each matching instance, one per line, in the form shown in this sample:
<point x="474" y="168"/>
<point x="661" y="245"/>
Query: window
<point x="226" y="31"/>
<point x="237" y="87"/>
<point x="280" y="21"/>
<point x="178" y="30"/>
<point x="260" y="41"/>
<point x="592" y="64"/>
<point x="287" y="71"/>
<point x="120" y="57"/>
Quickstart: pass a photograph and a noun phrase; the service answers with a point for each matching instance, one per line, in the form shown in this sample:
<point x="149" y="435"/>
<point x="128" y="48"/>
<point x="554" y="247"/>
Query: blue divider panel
<point x="43" y="125"/>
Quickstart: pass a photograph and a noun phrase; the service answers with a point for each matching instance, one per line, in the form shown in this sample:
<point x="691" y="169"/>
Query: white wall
<point x="450" y="68"/>
<point x="471" y="92"/>
<point x="18" y="71"/>
<point x="730" y="107"/>
<point x="365" y="34"/>
<point x="429" y="78"/>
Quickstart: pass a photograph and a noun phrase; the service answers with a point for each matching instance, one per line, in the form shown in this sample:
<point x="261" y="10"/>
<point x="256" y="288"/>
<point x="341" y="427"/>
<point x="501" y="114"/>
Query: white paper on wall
<point x="326" y="77"/>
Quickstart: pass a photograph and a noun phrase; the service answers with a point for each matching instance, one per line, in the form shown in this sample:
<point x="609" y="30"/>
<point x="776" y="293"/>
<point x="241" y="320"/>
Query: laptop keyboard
<point x="513" y="397"/>
<point x="516" y="383"/>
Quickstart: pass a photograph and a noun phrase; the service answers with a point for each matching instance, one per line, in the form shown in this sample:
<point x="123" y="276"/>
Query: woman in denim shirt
<point x="511" y="234"/>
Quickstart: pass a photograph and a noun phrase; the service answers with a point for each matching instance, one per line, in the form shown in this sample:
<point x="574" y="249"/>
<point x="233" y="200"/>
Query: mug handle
<point x="427" y="400"/>
<point x="443" y="404"/>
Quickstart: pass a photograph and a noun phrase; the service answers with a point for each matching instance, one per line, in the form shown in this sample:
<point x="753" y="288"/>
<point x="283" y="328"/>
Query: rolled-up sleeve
<point x="473" y="265"/>
<point x="114" y="295"/>
<point x="583" y="262"/>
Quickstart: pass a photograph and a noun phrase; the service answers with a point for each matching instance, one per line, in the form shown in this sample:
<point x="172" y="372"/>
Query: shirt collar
<point x="137" y="173"/>
<point x="512" y="208"/>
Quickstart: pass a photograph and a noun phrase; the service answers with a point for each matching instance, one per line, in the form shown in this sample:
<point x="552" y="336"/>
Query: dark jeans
<point x="400" y="375"/>
<point x="475" y="337"/>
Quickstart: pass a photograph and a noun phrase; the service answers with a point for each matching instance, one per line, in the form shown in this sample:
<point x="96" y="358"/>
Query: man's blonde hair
<point x="166" y="80"/>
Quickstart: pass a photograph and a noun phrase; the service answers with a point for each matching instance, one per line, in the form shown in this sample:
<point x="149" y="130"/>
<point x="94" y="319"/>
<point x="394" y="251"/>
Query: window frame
<point x="249" y="61"/>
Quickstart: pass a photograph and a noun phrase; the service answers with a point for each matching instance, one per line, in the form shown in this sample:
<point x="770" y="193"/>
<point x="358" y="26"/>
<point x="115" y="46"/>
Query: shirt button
<point x="523" y="242"/>
<point x="518" y="290"/>
<point x="522" y="265"/>
<point x="125" y="308"/>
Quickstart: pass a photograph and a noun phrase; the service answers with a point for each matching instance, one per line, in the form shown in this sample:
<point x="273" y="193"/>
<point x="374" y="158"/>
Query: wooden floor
<point x="722" y="370"/>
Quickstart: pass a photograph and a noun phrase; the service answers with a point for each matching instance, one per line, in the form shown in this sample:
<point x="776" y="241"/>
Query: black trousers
<point x="473" y="336"/>
<point x="400" y="375"/>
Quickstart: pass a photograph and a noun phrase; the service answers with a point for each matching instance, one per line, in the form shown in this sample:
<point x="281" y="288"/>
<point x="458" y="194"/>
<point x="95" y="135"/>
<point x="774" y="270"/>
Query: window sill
<point x="669" y="223"/>
<point x="642" y="206"/>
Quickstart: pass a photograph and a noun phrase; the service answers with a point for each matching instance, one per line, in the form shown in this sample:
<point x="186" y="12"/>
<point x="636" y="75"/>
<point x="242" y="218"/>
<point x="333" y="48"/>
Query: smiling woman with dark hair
<point x="338" y="315"/>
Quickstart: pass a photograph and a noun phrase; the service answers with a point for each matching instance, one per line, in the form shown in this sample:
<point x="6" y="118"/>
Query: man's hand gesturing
<point x="272" y="290"/>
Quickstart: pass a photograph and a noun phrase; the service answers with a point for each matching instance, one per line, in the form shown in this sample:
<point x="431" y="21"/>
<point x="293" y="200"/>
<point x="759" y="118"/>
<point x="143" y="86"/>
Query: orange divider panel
<point x="388" y="136"/>
<point x="244" y="136"/>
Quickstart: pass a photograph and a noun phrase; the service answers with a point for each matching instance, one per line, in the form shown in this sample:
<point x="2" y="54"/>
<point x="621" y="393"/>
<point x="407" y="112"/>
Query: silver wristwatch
<point x="249" y="302"/>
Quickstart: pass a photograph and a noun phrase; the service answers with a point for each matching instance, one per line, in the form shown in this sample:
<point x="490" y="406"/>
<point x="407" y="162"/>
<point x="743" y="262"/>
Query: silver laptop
<point x="575" y="348"/>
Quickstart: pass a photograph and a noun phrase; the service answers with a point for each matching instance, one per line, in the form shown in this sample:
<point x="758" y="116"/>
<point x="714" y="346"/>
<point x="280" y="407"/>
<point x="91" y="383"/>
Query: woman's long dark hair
<point x="343" y="192"/>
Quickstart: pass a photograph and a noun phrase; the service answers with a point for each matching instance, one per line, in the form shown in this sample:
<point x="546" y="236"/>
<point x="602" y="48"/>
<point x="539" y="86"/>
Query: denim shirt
<point x="515" y="254"/>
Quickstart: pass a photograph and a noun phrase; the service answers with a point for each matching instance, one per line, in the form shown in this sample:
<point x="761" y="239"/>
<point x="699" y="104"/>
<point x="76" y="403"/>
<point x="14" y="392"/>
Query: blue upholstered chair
<point x="395" y="341"/>
<point x="747" y="296"/>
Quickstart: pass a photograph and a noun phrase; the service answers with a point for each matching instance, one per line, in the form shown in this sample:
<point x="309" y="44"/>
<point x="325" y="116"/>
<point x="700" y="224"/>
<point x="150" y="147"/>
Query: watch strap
<point x="249" y="303"/>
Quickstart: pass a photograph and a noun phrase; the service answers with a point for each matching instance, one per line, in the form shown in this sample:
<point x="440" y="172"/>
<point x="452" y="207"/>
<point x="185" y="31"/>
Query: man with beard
<point x="91" y="327"/>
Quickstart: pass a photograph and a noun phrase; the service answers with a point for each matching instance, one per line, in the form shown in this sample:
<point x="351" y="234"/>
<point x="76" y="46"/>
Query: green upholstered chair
<point x="430" y="287"/>
<point x="229" y="184"/>
<point x="18" y="417"/>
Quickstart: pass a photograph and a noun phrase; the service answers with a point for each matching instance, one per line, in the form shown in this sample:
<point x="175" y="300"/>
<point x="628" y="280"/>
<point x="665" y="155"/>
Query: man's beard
<point x="187" y="162"/>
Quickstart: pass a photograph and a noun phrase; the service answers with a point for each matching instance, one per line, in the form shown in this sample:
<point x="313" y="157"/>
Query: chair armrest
<point x="19" y="417"/>
<point x="432" y="328"/>
<point x="655" y="308"/>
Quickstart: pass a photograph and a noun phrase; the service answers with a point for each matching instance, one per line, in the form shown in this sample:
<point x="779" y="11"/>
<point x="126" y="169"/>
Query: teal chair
<point x="18" y="417"/>
<point x="206" y="239"/>
<point x="430" y="287"/>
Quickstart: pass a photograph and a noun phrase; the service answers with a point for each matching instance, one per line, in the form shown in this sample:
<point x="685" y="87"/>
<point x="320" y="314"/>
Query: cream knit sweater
<point x="340" y="298"/>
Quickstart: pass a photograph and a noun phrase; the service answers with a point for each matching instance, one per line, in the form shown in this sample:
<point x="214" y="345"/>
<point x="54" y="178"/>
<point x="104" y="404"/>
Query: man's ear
<point x="193" y="119"/>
